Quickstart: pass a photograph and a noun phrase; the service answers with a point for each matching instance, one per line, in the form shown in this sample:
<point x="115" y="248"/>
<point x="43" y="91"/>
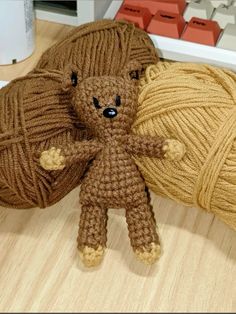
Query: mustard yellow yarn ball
<point x="195" y="104"/>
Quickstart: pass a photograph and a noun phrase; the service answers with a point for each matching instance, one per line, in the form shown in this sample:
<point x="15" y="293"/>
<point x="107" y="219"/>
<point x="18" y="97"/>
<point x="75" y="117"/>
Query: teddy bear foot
<point x="174" y="150"/>
<point x="91" y="257"/>
<point x="149" y="255"/>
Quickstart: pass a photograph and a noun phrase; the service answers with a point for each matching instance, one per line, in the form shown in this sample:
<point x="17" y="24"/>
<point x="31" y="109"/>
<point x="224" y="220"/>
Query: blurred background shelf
<point x="75" y="12"/>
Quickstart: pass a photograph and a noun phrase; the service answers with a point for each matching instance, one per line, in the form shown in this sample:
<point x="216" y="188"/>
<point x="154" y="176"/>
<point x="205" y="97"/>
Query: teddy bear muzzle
<point x="110" y="113"/>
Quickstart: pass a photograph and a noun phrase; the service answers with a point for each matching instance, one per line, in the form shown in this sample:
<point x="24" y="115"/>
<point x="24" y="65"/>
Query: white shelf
<point x="87" y="11"/>
<point x="56" y="17"/>
<point x="180" y="50"/>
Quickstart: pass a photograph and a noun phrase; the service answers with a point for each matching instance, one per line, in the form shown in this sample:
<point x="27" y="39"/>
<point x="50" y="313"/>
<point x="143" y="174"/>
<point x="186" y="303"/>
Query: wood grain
<point x="40" y="270"/>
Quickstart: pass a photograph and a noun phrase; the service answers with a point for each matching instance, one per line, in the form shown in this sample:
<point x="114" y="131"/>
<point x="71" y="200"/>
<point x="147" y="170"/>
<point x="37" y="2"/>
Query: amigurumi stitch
<point x="107" y="105"/>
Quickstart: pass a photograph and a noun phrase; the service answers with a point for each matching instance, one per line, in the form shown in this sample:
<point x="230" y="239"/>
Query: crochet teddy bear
<point x="107" y="105"/>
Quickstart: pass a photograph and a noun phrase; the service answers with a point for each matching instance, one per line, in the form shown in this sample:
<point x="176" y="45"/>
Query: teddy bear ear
<point x="70" y="77"/>
<point x="132" y="70"/>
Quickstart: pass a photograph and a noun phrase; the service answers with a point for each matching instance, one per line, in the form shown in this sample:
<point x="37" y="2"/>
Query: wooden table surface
<point x="40" y="269"/>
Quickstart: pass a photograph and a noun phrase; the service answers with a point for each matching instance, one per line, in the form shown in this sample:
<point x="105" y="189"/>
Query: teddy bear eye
<point x="96" y="103"/>
<point x="118" y="101"/>
<point x="74" y="79"/>
<point x="134" y="75"/>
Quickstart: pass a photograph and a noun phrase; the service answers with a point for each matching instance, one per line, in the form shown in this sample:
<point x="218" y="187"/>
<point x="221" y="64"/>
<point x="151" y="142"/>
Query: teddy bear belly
<point x="113" y="184"/>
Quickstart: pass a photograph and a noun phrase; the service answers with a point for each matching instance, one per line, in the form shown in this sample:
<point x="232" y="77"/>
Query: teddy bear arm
<point x="157" y="147"/>
<point x="84" y="151"/>
<point x="146" y="146"/>
<point x="58" y="158"/>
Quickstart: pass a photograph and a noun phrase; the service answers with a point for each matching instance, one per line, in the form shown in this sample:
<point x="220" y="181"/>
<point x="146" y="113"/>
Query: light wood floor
<point x="40" y="270"/>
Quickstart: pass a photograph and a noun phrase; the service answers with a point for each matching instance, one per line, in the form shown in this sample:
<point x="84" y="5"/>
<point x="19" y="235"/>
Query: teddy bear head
<point x="106" y="105"/>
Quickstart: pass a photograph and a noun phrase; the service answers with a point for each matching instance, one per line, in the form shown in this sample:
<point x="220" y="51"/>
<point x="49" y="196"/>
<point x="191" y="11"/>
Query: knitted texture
<point x="36" y="112"/>
<point x="196" y="103"/>
<point x="100" y="48"/>
<point x="34" y="115"/>
<point x="107" y="106"/>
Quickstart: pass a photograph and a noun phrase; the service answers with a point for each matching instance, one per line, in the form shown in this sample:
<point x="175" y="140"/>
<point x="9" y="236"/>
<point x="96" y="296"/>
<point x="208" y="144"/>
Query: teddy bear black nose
<point x="110" y="112"/>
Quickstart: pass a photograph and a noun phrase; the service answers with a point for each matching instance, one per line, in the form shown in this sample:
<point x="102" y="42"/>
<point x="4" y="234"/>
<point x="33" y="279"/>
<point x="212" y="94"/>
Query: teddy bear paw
<point x="52" y="159"/>
<point x="173" y="149"/>
<point x="149" y="255"/>
<point x="91" y="257"/>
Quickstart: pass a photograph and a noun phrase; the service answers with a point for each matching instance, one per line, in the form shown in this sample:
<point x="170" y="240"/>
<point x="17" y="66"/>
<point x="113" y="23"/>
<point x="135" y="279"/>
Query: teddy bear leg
<point x="92" y="235"/>
<point x="143" y="233"/>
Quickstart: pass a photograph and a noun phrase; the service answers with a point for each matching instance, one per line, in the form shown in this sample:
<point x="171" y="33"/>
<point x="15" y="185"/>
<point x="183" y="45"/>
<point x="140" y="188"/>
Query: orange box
<point x="167" y="24"/>
<point x="137" y="15"/>
<point x="173" y="6"/>
<point x="202" y="31"/>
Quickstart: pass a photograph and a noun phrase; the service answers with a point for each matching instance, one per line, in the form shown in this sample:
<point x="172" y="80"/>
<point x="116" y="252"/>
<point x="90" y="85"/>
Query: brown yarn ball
<point x="194" y="103"/>
<point x="34" y="116"/>
<point x="100" y="48"/>
<point x="35" y="112"/>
